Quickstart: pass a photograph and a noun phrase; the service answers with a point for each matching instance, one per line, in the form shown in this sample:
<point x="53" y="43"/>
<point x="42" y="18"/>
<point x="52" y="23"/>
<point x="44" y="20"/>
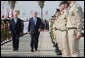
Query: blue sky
<point x="27" y="6"/>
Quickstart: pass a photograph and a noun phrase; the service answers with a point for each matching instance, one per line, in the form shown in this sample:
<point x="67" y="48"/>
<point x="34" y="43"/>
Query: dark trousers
<point x="34" y="40"/>
<point x="57" y="48"/>
<point x="15" y="42"/>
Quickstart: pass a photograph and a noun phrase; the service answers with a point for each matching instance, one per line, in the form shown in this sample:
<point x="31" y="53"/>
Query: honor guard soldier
<point x="74" y="27"/>
<point x="63" y="29"/>
<point x="56" y="32"/>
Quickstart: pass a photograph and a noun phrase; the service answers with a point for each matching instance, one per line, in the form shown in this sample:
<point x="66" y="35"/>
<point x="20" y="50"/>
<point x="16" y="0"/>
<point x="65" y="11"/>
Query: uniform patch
<point x="77" y="10"/>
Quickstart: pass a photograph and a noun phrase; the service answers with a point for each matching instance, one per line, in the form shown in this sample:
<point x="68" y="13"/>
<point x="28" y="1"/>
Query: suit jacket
<point x="32" y="28"/>
<point x="15" y="28"/>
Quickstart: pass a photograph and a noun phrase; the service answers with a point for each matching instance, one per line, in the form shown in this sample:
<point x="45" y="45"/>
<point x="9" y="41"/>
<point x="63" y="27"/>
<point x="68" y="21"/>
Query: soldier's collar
<point x="64" y="9"/>
<point x="72" y="4"/>
<point x="57" y="17"/>
<point x="62" y="12"/>
<point x="60" y="15"/>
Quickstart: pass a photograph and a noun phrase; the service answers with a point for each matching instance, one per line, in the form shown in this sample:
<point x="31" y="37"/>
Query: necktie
<point x="15" y="21"/>
<point x="35" y="21"/>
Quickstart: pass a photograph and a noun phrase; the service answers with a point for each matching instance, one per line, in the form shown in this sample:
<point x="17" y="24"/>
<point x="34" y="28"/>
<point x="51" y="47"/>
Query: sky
<point x="27" y="6"/>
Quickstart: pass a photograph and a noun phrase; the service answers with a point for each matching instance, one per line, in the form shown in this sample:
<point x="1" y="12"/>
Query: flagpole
<point x="7" y="13"/>
<point x="2" y="14"/>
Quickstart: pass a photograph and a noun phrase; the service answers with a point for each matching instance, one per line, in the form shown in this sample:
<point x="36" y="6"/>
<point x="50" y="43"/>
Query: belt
<point x="63" y="30"/>
<point x="55" y="29"/>
<point x="72" y="28"/>
<point x="60" y="29"/>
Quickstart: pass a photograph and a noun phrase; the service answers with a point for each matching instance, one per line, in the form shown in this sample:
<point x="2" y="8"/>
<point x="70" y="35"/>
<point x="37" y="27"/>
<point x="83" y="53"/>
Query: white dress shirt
<point x="15" y="20"/>
<point x="35" y="20"/>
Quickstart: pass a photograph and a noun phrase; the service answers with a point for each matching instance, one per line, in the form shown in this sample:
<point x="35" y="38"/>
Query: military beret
<point x="61" y="3"/>
<point x="57" y="10"/>
<point x="64" y="2"/>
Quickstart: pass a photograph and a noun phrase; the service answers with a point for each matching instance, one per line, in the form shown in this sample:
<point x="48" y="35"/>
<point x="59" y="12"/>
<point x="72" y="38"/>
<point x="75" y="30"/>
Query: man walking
<point x="15" y="30"/>
<point x="34" y="30"/>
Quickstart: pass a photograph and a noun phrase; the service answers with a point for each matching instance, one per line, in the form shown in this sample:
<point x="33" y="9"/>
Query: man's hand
<point x="38" y="30"/>
<point x="20" y="33"/>
<point x="9" y="32"/>
<point x="78" y="36"/>
<point x="28" y="32"/>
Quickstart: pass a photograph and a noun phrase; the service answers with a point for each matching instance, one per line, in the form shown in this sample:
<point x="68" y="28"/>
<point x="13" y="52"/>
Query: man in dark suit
<point x="15" y="30"/>
<point x="34" y="30"/>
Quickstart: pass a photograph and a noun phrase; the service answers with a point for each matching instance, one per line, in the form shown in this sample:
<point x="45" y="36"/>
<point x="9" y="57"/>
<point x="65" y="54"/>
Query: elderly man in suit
<point x="34" y="30"/>
<point x="15" y="30"/>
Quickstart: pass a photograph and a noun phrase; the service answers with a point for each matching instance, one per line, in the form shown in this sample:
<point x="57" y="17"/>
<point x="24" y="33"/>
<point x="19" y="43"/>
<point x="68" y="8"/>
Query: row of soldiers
<point x="66" y="28"/>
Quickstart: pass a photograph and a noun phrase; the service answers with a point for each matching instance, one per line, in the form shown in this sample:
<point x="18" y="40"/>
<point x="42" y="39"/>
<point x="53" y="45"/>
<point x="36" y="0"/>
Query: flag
<point x="7" y="13"/>
<point x="17" y="12"/>
<point x="38" y="13"/>
<point x="46" y="13"/>
<point x="12" y="14"/>
<point x="31" y="11"/>
<point x="23" y="13"/>
<point x="1" y="27"/>
<point x="2" y="14"/>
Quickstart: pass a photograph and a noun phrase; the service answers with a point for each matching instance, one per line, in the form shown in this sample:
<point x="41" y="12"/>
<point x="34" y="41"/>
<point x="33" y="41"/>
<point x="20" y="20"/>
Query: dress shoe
<point x="32" y="50"/>
<point x="13" y="50"/>
<point x="60" y="53"/>
<point x="16" y="50"/>
<point x="35" y="49"/>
